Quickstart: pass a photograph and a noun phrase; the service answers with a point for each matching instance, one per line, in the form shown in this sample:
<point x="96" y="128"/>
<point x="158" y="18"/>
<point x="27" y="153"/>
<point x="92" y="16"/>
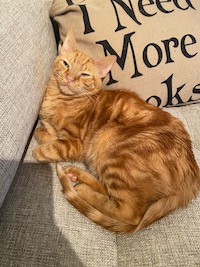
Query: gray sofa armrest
<point x="27" y="50"/>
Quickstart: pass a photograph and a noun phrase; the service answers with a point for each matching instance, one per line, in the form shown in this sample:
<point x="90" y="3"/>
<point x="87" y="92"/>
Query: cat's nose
<point x="70" y="79"/>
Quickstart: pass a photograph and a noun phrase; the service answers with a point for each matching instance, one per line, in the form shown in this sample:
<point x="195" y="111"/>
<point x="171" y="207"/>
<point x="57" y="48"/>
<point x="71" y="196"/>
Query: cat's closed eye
<point x="66" y="64"/>
<point x="84" y="74"/>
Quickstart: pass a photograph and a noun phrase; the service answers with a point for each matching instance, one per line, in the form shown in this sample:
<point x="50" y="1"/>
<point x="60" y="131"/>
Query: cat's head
<point x="76" y="73"/>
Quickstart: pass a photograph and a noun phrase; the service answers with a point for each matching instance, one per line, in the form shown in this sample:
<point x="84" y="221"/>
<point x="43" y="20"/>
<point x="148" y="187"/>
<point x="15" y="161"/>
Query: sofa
<point x="38" y="227"/>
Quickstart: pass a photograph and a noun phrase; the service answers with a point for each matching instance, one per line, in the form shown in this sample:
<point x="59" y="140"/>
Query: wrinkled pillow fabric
<point x="157" y="44"/>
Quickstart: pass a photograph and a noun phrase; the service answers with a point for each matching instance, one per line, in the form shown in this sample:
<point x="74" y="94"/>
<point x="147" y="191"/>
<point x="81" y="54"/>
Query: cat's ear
<point x="69" y="43"/>
<point x="105" y="64"/>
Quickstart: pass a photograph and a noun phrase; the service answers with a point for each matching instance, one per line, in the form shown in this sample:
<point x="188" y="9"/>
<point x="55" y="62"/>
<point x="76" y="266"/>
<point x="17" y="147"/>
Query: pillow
<point x="157" y="44"/>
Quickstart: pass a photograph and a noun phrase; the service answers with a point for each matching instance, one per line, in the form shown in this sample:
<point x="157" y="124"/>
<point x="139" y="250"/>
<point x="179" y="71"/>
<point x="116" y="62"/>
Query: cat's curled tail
<point x="165" y="206"/>
<point x="156" y="211"/>
<point x="168" y="204"/>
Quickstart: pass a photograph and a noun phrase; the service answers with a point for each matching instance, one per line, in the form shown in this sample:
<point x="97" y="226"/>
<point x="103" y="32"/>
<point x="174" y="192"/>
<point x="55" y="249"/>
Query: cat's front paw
<point x="73" y="173"/>
<point x="39" y="154"/>
<point x="38" y="134"/>
<point x="46" y="153"/>
<point x="42" y="136"/>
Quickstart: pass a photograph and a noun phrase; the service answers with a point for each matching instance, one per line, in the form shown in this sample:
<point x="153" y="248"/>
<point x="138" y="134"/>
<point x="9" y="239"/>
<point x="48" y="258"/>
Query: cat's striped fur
<point x="139" y="156"/>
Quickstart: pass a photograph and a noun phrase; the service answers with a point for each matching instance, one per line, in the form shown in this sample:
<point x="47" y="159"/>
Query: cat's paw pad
<point x="72" y="177"/>
<point x="73" y="173"/>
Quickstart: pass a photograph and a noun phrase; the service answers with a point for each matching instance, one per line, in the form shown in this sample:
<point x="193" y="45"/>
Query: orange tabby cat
<point x="140" y="154"/>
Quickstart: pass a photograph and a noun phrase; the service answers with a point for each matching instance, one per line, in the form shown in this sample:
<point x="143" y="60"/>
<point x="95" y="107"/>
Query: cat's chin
<point x="68" y="91"/>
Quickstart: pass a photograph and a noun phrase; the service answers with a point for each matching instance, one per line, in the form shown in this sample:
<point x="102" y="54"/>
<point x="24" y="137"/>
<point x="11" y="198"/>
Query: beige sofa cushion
<point x="27" y="50"/>
<point x="156" y="43"/>
<point x="39" y="228"/>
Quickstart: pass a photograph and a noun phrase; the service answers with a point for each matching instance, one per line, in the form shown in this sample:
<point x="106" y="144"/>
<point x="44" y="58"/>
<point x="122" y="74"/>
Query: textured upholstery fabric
<point x="39" y="228"/>
<point x="27" y="49"/>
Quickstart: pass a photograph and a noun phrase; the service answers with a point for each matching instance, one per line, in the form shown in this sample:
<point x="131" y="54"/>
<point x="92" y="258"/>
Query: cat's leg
<point x="108" y="205"/>
<point x="43" y="136"/>
<point x="101" y="209"/>
<point x="58" y="150"/>
<point x="90" y="190"/>
<point x="78" y="175"/>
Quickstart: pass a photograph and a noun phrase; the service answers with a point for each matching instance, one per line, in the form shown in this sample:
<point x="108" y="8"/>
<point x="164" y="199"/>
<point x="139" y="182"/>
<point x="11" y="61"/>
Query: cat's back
<point x="134" y="127"/>
<point x="127" y="108"/>
<point x="144" y="145"/>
